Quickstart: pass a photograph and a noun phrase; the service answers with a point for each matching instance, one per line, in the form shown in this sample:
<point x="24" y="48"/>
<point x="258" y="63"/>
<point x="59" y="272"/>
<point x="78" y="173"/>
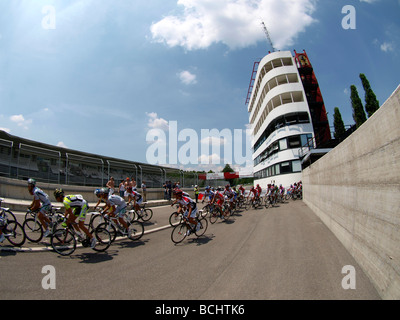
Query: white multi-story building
<point x="286" y="113"/>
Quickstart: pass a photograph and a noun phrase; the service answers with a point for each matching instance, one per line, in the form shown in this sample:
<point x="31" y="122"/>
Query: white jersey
<point x="38" y="194"/>
<point x="114" y="200"/>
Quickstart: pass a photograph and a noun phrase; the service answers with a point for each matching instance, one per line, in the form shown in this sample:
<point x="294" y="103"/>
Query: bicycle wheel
<point x="103" y="238"/>
<point x="135" y="230"/>
<point x="14" y="233"/>
<point x="95" y="220"/>
<point x="33" y="230"/>
<point x="214" y="215"/>
<point x="63" y="242"/>
<point x="179" y="233"/>
<point x="174" y="218"/>
<point x="206" y="209"/>
<point x="267" y="202"/>
<point x="147" y="214"/>
<point x="227" y="213"/>
<point x="110" y="228"/>
<point x="9" y="215"/>
<point x="130" y="215"/>
<point x="203" y="227"/>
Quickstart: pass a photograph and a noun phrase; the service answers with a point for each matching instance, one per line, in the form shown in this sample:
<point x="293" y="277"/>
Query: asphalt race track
<point x="284" y="252"/>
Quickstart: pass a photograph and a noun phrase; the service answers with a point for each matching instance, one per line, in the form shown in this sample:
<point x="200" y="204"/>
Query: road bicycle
<point x="11" y="229"/>
<point x="64" y="240"/>
<point x="256" y="202"/>
<point x="112" y="225"/>
<point x="185" y="228"/>
<point x="145" y="214"/>
<point x="33" y="228"/>
<point x="222" y="212"/>
<point x="270" y="200"/>
<point x="241" y="203"/>
<point x="176" y="217"/>
<point x="208" y="209"/>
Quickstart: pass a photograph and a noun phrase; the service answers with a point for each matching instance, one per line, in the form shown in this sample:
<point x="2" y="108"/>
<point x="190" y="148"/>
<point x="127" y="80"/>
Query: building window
<point x="294" y="118"/>
<point x="294" y="142"/>
<point x="285" y="167"/>
<point x="282" y="144"/>
<point x="296" y="166"/>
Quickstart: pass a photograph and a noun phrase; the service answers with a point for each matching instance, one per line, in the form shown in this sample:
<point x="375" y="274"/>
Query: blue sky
<point x="97" y="75"/>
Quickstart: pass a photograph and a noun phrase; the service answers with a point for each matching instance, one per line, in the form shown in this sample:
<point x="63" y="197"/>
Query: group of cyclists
<point x="76" y="207"/>
<point x="232" y="195"/>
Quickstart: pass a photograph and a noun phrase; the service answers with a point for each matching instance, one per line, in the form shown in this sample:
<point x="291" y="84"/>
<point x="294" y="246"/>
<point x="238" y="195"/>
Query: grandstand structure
<point x="21" y="159"/>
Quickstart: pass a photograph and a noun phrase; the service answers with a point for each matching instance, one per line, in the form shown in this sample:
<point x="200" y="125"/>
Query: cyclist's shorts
<point x="119" y="212"/>
<point x="193" y="214"/>
<point x="45" y="209"/>
<point x="80" y="212"/>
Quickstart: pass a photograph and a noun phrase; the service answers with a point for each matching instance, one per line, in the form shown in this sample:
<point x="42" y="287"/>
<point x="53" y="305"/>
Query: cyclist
<point x="219" y="199"/>
<point x="252" y="192"/>
<point x="184" y="194"/>
<point x="258" y="188"/>
<point x="98" y="193"/>
<point x="229" y="193"/>
<point x="117" y="206"/>
<point x="75" y="208"/>
<point x="269" y="194"/>
<point x="128" y="189"/>
<point x="137" y="199"/>
<point x="42" y="202"/>
<point x="281" y="192"/>
<point x="208" y="193"/>
<point x="189" y="206"/>
<point x="241" y="190"/>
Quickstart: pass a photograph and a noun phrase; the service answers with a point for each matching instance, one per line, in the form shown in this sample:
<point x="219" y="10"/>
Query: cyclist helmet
<point x="97" y="192"/>
<point x="178" y="193"/>
<point x="104" y="190"/>
<point x="58" y="193"/>
<point x="31" y="182"/>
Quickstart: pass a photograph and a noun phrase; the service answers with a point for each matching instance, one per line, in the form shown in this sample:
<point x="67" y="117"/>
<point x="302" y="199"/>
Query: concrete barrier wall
<point x="355" y="190"/>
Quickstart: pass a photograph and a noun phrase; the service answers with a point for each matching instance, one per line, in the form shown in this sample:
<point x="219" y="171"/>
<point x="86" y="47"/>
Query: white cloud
<point x="156" y="123"/>
<point x="187" y="78"/>
<point x="61" y="144"/>
<point x="236" y="23"/>
<point x="17" y="118"/>
<point x="20" y="121"/>
<point x="387" y="46"/>
<point x="213" y="141"/>
<point x="207" y="159"/>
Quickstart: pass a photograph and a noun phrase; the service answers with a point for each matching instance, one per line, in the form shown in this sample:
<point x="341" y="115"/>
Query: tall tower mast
<point x="268" y="36"/>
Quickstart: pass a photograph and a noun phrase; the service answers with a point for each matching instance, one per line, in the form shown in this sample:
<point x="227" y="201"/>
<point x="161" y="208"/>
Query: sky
<point x="143" y="80"/>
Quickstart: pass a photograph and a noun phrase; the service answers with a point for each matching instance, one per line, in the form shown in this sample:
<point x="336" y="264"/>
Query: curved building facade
<point x="285" y="112"/>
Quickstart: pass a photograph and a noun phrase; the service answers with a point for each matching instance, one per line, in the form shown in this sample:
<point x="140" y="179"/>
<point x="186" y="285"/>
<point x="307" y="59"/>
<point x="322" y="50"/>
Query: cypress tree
<point x="371" y="103"/>
<point x="358" y="109"/>
<point x="338" y="123"/>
